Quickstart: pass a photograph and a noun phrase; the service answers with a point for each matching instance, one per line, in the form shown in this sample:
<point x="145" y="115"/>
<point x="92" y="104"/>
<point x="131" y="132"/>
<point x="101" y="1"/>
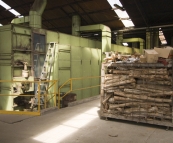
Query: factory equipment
<point x="22" y="60"/>
<point x="25" y="87"/>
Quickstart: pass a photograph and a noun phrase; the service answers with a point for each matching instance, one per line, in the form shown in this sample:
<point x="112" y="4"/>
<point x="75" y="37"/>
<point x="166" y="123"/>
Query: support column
<point x="148" y="39"/>
<point x="156" y="38"/>
<point x="172" y="41"/>
<point x="76" y="23"/>
<point x="119" y="38"/>
<point x="134" y="45"/>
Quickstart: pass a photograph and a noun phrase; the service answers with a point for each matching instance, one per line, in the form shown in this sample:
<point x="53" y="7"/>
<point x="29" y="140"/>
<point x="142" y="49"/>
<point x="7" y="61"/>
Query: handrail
<point x="71" y="87"/>
<point x="51" y="90"/>
<point x="60" y="89"/>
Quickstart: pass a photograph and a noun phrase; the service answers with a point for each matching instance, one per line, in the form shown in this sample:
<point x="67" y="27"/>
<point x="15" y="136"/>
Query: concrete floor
<point x="80" y="124"/>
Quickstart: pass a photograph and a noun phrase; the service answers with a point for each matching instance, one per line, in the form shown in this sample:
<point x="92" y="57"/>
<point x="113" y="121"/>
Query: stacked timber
<point x="139" y="92"/>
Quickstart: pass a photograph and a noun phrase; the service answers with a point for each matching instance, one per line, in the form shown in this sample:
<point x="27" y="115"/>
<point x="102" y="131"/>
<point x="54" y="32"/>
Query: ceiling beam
<point x="85" y="13"/>
<point x="68" y="4"/>
<point x="139" y="9"/>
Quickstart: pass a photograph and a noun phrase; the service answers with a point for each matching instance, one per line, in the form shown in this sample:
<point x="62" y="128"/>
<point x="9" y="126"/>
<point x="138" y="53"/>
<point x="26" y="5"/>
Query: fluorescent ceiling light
<point x="3" y="4"/>
<point x="162" y="37"/>
<point x="164" y="42"/>
<point x="121" y="14"/>
<point x="14" y="12"/>
<point x="125" y="44"/>
<point x="6" y="6"/>
<point x="20" y="16"/>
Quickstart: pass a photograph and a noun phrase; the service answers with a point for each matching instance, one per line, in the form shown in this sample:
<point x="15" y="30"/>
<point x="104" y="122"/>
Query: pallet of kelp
<point x="137" y="92"/>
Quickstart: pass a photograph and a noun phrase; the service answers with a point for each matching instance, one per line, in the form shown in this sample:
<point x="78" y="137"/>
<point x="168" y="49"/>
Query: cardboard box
<point x="151" y="56"/>
<point x="166" y="52"/>
<point x="143" y="59"/>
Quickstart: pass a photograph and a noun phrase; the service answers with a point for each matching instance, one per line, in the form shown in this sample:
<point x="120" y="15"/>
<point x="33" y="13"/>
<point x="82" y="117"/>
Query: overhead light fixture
<point x="125" y="44"/>
<point x="162" y="37"/>
<point x="123" y="16"/>
<point x="3" y="4"/>
<point x="119" y="7"/>
<point x="126" y="18"/>
<point x="7" y="7"/>
<point x="14" y="12"/>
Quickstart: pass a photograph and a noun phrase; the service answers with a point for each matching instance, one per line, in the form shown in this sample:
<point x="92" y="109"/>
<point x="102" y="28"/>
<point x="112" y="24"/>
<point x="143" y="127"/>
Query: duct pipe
<point x="39" y="6"/>
<point x="141" y="41"/>
<point x="106" y="35"/>
<point x="76" y="22"/>
<point x="156" y="39"/>
<point x="35" y="15"/>
<point x="36" y="12"/>
<point x="134" y="45"/>
<point x="119" y="38"/>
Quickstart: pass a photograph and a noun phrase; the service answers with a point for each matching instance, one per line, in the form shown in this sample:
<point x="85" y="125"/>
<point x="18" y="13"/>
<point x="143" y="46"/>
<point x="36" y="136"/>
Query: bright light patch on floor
<point x="67" y="128"/>
<point x="120" y="13"/>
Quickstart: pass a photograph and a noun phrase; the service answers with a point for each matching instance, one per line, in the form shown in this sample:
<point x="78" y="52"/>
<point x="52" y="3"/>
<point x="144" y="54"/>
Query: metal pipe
<point x="76" y="23"/>
<point x="39" y="6"/>
<point x="140" y="40"/>
<point x="106" y="35"/>
<point x="143" y="28"/>
<point x="35" y="14"/>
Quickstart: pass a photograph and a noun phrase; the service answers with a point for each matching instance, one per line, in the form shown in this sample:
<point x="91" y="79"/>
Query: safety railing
<point x="8" y="94"/>
<point x="70" y="81"/>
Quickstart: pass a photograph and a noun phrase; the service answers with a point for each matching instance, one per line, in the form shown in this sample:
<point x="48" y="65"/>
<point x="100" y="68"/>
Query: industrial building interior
<point x="54" y="54"/>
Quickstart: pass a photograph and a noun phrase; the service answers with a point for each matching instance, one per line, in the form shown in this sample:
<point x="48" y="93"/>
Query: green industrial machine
<point x="23" y="51"/>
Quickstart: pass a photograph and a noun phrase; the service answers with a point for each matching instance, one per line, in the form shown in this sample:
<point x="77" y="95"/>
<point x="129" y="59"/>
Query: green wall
<point x="5" y="64"/>
<point x="77" y="57"/>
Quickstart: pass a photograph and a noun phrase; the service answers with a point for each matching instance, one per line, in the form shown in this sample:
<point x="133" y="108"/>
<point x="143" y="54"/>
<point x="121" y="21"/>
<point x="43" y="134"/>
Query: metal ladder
<point x="45" y="74"/>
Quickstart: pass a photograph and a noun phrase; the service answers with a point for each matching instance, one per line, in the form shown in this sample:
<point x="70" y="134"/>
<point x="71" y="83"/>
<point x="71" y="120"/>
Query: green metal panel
<point x="122" y="49"/>
<point x="91" y="43"/>
<point x="95" y="70"/>
<point x="5" y="64"/>
<point x="75" y="41"/>
<point x="52" y="36"/>
<point x="86" y="71"/>
<point x="64" y="39"/>
<point x="76" y="69"/>
<point x="5" y="88"/>
<point x="21" y="41"/>
<point x="64" y="63"/>
<point x="83" y="42"/>
<point x="76" y="53"/>
<point x="6" y="39"/>
<point x="76" y="72"/>
<point x="98" y="45"/>
<point x="21" y="30"/>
